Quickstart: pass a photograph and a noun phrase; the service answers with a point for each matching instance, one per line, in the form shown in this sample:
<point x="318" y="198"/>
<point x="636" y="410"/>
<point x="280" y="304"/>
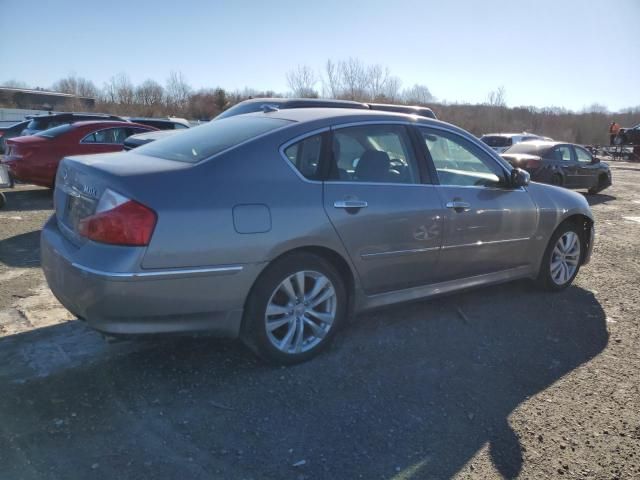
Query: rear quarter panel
<point x="195" y="209"/>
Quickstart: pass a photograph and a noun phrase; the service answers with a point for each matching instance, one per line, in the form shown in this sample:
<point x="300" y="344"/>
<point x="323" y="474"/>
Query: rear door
<point x="382" y="206"/>
<point x="488" y="227"/>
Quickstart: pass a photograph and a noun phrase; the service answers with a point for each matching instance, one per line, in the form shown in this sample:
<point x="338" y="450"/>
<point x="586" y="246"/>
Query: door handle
<point x="459" y="206"/>
<point x="350" y="204"/>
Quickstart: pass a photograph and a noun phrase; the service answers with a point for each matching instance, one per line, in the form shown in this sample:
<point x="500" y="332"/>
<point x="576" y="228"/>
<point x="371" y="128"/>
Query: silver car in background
<point x="277" y="226"/>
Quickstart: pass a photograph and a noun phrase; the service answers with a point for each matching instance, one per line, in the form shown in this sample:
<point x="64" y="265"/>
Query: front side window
<point x="459" y="163"/>
<point x="305" y="156"/>
<point x="582" y="155"/>
<point x="373" y="153"/>
<point x="562" y="153"/>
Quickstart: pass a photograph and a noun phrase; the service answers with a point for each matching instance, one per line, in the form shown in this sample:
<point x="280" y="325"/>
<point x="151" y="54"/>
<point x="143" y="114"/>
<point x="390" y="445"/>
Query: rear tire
<point x="556" y="179"/>
<point x="562" y="258"/>
<point x="295" y="309"/>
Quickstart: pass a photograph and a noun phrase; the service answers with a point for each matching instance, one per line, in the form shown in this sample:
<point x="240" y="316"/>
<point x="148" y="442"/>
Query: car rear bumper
<point x="148" y="301"/>
<point x="25" y="174"/>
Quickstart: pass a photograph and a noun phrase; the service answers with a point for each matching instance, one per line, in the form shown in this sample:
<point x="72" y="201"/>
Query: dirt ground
<point x="501" y="382"/>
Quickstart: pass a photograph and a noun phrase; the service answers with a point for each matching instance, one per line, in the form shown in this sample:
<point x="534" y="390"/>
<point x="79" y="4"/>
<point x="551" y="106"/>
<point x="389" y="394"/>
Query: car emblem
<point x="90" y="190"/>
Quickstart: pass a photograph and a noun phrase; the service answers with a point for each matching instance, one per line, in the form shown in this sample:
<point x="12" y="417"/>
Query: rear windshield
<point x="496" y="140"/>
<point x="55" y="131"/>
<point x="532" y="148"/>
<point x="195" y="144"/>
<point x="241" y="108"/>
<point x="44" y="123"/>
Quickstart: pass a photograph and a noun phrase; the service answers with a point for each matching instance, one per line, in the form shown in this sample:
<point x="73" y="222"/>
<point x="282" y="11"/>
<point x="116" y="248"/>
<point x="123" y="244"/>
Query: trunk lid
<point x="81" y="181"/>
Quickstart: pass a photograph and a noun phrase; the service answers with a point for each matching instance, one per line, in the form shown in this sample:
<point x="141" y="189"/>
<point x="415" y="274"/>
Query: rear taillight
<point x="532" y="164"/>
<point x="119" y="220"/>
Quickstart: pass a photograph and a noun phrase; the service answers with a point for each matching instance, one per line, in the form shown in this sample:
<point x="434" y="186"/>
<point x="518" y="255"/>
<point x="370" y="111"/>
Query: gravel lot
<point x="498" y="382"/>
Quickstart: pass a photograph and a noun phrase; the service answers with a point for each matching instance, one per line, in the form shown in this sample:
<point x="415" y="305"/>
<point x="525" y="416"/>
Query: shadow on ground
<point x="413" y="392"/>
<point x="21" y="251"/>
<point x="27" y="200"/>
<point x="598" y="198"/>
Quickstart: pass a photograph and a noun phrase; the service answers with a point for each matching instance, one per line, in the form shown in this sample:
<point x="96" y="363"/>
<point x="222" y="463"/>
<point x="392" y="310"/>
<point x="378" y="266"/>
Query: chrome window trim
<point x="160" y="274"/>
<point x="393" y="253"/>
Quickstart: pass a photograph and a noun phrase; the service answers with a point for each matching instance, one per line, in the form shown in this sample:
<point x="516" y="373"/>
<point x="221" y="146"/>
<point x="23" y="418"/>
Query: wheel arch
<point x="586" y="225"/>
<point x="338" y="261"/>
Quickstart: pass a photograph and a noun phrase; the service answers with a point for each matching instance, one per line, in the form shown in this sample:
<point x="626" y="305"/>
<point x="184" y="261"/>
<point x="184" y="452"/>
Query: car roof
<point x="107" y="123"/>
<point x="310" y="114"/>
<point x="509" y="135"/>
<point x="296" y="102"/>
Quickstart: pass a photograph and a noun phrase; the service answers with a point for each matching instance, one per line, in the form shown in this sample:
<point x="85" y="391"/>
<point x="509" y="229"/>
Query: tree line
<point x="349" y="79"/>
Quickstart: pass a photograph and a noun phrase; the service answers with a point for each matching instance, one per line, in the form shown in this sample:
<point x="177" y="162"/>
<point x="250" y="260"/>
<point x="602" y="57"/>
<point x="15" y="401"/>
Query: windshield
<point x="195" y="144"/>
<point x="55" y="131"/>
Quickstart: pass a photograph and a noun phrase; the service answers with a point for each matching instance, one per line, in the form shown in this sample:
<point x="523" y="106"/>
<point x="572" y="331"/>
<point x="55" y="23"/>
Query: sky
<point x="565" y="53"/>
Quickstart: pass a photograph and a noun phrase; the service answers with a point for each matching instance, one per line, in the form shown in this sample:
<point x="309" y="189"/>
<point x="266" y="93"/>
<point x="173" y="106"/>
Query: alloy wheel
<point x="300" y="312"/>
<point x="565" y="258"/>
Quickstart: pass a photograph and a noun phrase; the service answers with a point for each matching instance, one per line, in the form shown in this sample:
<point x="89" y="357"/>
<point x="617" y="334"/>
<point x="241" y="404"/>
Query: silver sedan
<point x="277" y="226"/>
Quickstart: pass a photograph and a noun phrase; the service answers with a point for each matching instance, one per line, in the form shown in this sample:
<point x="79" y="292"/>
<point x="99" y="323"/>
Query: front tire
<point x="562" y="258"/>
<point x="295" y="309"/>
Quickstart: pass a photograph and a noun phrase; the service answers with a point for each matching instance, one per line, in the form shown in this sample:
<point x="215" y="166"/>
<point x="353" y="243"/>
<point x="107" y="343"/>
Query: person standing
<point x="614" y="128"/>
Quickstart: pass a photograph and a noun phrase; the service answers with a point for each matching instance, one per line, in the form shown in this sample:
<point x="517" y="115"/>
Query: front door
<point x="488" y="227"/>
<point x="587" y="170"/>
<point x="388" y="219"/>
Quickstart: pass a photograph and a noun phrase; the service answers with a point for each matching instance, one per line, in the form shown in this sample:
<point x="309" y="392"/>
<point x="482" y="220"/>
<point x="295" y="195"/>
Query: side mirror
<point x="519" y="178"/>
<point x="595" y="159"/>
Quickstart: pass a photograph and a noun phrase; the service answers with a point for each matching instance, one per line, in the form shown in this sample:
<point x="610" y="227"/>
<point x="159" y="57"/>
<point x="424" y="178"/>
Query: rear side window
<point x="373" y="154"/>
<point x="305" y="156"/>
<point x="195" y="144"/>
<point x="107" y="135"/>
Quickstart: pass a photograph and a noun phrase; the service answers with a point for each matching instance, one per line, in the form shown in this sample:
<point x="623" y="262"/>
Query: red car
<point x="35" y="158"/>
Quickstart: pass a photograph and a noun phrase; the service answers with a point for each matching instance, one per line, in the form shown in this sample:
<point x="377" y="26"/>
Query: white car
<point x="501" y="141"/>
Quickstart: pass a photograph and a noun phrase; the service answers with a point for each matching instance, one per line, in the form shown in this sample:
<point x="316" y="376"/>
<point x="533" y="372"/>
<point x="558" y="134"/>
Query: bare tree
<point x="119" y="89"/>
<point x="496" y="98"/>
<point x="354" y="78"/>
<point x="417" y="95"/>
<point x="377" y="78"/>
<point x="149" y="93"/>
<point x="331" y="84"/>
<point x="302" y="81"/>
<point x="392" y="89"/>
<point x="177" y="90"/>
<point x="75" y="85"/>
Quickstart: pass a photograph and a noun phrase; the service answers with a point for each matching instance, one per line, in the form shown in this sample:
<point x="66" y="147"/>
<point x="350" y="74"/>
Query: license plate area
<point x="77" y="208"/>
